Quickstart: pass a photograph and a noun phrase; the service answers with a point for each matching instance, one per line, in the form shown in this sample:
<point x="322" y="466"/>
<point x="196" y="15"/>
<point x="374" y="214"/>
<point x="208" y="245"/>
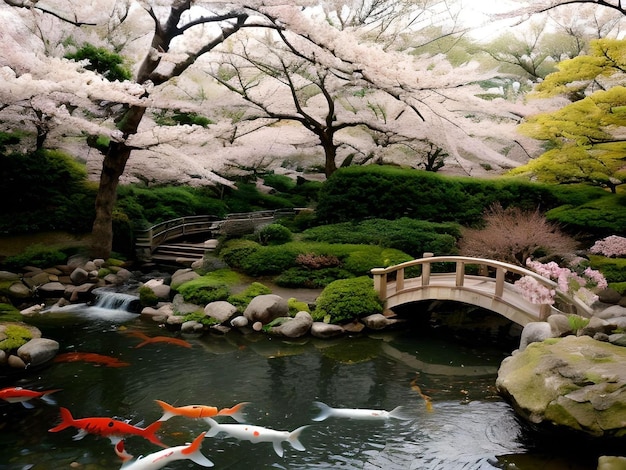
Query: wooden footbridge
<point x="176" y="240"/>
<point x="476" y="281"/>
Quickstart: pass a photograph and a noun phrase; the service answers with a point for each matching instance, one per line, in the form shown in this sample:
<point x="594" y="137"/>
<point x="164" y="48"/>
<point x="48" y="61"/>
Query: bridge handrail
<point x="153" y="236"/>
<point x="380" y="275"/>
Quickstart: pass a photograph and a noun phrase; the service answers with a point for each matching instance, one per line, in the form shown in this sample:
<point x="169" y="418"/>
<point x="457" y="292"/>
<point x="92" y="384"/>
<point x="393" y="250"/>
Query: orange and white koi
<point x="158" y="339"/>
<point x="161" y="458"/>
<point x="201" y="411"/>
<point x="99" y="359"/>
<point x="106" y="427"/>
<point x="23" y="396"/>
<point x="256" y="434"/>
<point x="356" y="413"/>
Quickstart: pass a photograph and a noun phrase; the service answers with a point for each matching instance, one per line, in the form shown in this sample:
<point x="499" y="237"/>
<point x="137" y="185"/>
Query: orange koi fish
<point x="98" y="359"/>
<point x="23" y="396"/>
<point x="106" y="427"/>
<point x="158" y="339"/>
<point x="201" y="411"/>
<point x="163" y="457"/>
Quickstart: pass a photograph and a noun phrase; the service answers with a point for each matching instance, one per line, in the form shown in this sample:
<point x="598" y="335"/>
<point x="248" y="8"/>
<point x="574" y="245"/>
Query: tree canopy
<point x="586" y="139"/>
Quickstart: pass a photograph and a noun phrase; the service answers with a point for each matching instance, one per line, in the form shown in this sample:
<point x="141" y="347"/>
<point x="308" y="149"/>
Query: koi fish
<point x="201" y="411"/>
<point x="23" y="396"/>
<point x="161" y="458"/>
<point x="354" y="413"/>
<point x="256" y="434"/>
<point x="158" y="339"/>
<point x="99" y="359"/>
<point x="106" y="427"/>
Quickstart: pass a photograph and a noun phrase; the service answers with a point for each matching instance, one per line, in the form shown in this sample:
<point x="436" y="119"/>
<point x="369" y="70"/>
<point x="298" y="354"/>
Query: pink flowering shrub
<point x="581" y="285"/>
<point x="611" y="247"/>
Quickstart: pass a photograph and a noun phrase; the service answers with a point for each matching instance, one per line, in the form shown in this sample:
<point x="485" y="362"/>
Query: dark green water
<point x="467" y="427"/>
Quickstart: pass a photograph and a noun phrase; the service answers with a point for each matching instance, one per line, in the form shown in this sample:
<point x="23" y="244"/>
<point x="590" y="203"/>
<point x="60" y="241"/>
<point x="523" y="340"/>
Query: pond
<point x="455" y="418"/>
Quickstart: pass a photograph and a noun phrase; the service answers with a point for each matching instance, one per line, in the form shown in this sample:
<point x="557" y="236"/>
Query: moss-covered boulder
<point x="571" y="383"/>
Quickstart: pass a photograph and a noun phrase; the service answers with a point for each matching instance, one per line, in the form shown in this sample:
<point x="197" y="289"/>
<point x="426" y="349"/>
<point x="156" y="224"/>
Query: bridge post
<point x="426" y="269"/>
<point x="460" y="273"/>
<point x="380" y="282"/>
<point x="500" y="272"/>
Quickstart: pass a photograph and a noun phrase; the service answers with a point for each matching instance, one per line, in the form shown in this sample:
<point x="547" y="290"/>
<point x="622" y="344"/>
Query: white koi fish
<point x="256" y="434"/>
<point x="161" y="458"/>
<point x="356" y="413"/>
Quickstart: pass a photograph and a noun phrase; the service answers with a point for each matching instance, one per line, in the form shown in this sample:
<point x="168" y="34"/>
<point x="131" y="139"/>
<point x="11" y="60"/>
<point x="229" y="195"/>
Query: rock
<point x="377" y="321"/>
<point x="38" y="351"/>
<point x="611" y="463"/>
<point x="265" y="308"/>
<point x="90" y="266"/>
<point x="79" y="276"/>
<point x="560" y="325"/>
<point x="211" y="244"/>
<point x="181" y="276"/>
<point x="123" y="275"/>
<point x="221" y="310"/>
<point x="33" y="310"/>
<point x="325" y="330"/>
<point x="3" y="357"/>
<point x="16" y="362"/>
<point x="353" y="327"/>
<point x="40" y="278"/>
<point x="191" y="327"/>
<point x="174" y="320"/>
<point x="609" y="296"/>
<point x="19" y="291"/>
<point x="535" y="332"/>
<point x="597" y="325"/>
<point x="295" y="327"/>
<point x="8" y="276"/>
<point x="182" y="308"/>
<point x="239" y="322"/>
<point x="52" y="289"/>
<point x="613" y="311"/>
<point x="574" y="383"/>
<point x="159" y="288"/>
<point x="618" y="339"/>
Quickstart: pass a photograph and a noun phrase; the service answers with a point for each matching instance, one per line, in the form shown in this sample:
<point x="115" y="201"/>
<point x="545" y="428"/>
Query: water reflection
<point x="467" y="427"/>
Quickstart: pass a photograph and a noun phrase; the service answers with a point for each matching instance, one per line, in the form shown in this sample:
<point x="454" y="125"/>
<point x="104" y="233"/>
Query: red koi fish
<point x="163" y="457"/>
<point x="23" y="396"/>
<point x="158" y="339"/>
<point x="106" y="427"/>
<point x="201" y="411"/>
<point x="98" y="359"/>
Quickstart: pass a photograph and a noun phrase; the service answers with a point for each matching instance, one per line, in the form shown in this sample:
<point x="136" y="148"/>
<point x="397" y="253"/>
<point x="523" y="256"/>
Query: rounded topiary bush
<point x="236" y="252"/>
<point x="203" y="290"/>
<point x="346" y="299"/>
<point x="274" y="234"/>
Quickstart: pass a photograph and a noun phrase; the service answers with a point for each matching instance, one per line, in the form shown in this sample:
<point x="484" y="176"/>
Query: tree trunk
<point x="330" y="154"/>
<point x="113" y="167"/>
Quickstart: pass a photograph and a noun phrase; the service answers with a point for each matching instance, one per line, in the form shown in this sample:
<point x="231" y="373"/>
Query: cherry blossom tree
<point x="174" y="35"/>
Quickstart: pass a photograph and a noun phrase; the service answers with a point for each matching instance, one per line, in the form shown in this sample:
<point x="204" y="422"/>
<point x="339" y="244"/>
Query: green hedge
<point x="358" y="193"/>
<point x="598" y="218"/>
<point x="408" y="235"/>
<point x="613" y="269"/>
<point x="44" y="190"/>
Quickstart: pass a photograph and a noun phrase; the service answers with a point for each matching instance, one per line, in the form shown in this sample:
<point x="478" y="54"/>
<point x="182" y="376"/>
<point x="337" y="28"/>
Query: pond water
<point x="456" y="420"/>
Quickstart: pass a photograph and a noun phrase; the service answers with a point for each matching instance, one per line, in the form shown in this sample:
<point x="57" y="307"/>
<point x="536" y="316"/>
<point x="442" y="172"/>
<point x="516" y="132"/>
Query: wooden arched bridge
<point x="482" y="282"/>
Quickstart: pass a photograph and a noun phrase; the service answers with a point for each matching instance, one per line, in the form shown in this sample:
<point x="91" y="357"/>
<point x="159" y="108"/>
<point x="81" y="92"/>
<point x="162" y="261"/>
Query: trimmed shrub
<point x="36" y="255"/>
<point x="242" y="299"/>
<point x="274" y="234"/>
<point x="613" y="269"/>
<point x="411" y="236"/>
<point x="600" y="217"/>
<point x="296" y="306"/>
<point x="346" y="299"/>
<point x="208" y="288"/>
<point x="310" y="278"/>
<point x="235" y="252"/>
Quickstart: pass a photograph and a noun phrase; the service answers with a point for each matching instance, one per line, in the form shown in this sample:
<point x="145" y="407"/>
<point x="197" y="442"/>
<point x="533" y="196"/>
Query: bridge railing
<point x="382" y="277"/>
<point x="158" y="234"/>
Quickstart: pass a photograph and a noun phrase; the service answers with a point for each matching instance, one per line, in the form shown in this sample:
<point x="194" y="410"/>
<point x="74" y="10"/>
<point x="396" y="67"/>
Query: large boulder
<point x="265" y="308"/>
<point x="38" y="351"/>
<point x="574" y="383"/>
<point x="294" y="327"/>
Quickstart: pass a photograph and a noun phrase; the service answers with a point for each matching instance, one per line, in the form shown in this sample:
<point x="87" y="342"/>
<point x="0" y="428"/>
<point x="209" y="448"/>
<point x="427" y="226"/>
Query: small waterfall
<point x="109" y="300"/>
